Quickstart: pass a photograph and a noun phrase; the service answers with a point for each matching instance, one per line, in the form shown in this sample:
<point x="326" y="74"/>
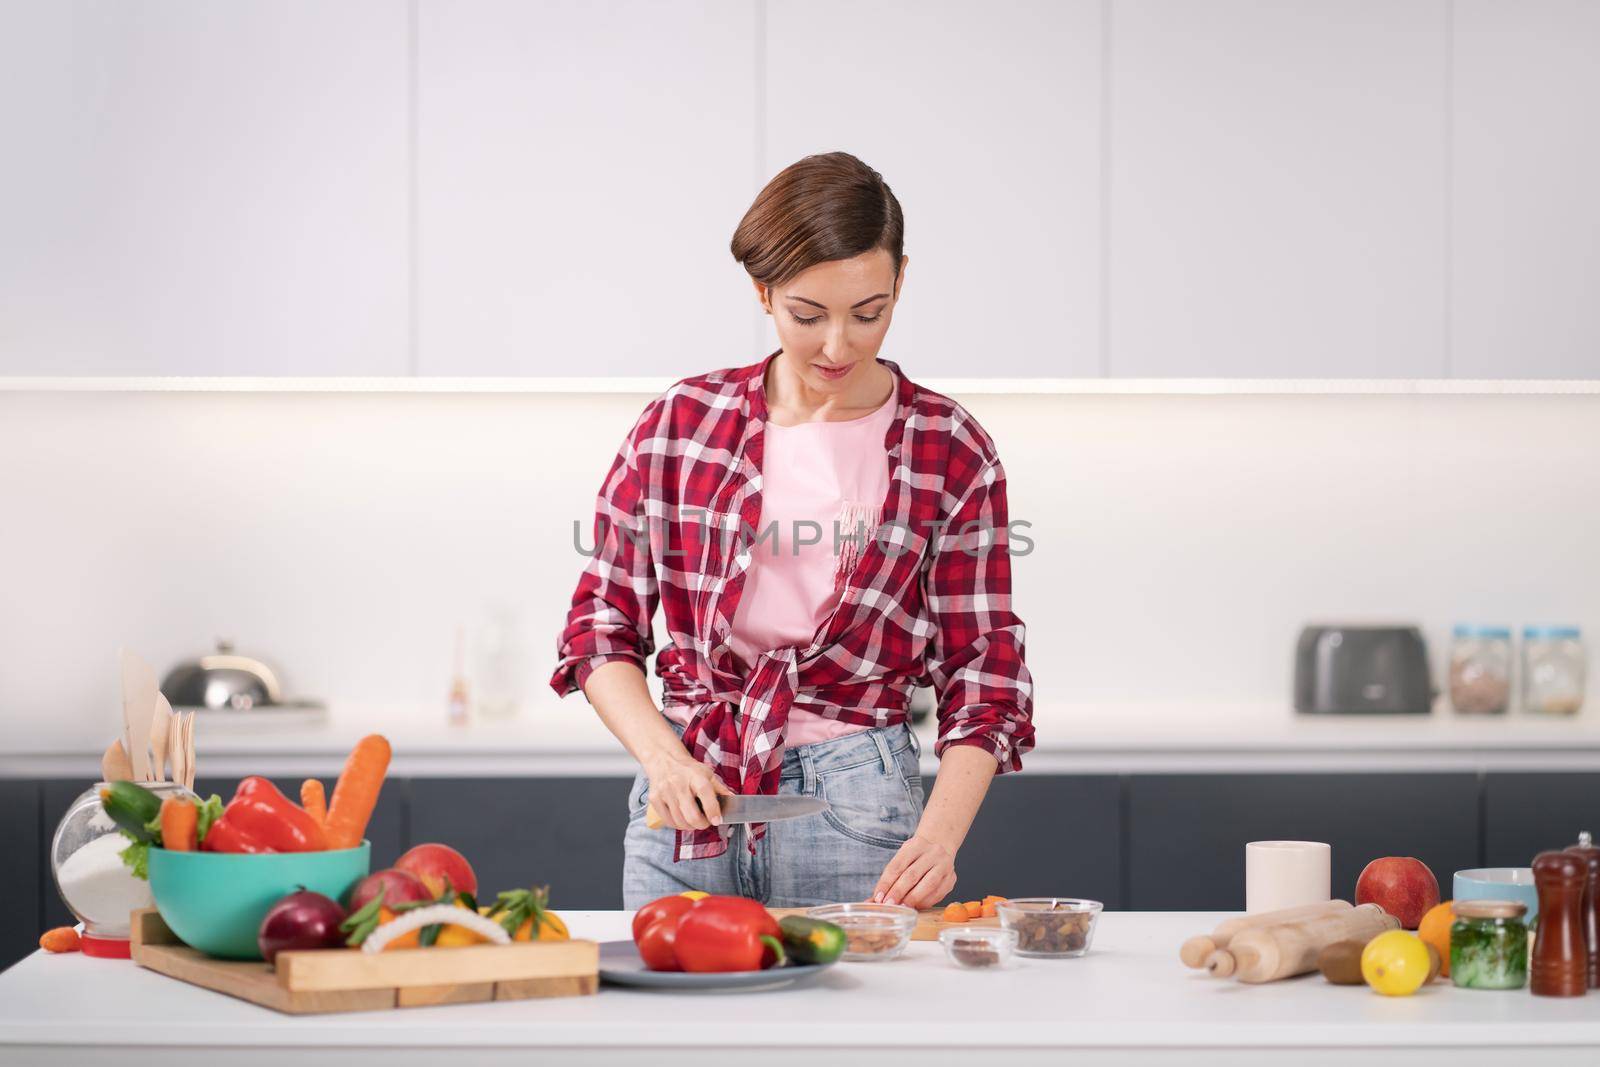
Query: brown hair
<point x="819" y="209"/>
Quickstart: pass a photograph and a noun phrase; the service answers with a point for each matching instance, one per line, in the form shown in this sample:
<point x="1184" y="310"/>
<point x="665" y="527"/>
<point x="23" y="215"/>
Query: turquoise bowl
<point x="215" y="901"/>
<point x="1498" y="883"/>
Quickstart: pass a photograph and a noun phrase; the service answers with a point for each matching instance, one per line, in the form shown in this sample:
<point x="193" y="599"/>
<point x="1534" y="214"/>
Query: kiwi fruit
<point x="1434" y="964"/>
<point x="1340" y="962"/>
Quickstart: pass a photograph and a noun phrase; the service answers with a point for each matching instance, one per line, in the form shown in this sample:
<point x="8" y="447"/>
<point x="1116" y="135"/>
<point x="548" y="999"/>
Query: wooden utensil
<point x="160" y="740"/>
<point x="139" y="692"/>
<point x="115" y="765"/>
<point x="1267" y="953"/>
<point x="188" y="750"/>
<point x="1195" y="951"/>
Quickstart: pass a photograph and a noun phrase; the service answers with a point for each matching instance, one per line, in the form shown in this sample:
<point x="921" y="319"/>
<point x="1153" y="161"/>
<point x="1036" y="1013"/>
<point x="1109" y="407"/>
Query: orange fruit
<point x="1435" y="930"/>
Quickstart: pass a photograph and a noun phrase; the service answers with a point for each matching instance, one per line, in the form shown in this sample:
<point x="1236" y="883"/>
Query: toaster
<point x="1362" y="670"/>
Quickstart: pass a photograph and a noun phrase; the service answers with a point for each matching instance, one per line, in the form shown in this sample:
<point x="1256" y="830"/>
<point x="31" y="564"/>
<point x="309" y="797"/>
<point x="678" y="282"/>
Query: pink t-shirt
<point x="818" y="473"/>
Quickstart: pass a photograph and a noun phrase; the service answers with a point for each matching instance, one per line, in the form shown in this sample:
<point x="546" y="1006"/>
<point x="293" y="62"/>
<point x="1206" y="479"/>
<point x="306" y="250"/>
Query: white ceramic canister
<point x="1286" y="874"/>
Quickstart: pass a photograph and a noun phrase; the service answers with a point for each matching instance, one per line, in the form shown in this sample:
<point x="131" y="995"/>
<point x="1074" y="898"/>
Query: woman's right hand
<point x="683" y="790"/>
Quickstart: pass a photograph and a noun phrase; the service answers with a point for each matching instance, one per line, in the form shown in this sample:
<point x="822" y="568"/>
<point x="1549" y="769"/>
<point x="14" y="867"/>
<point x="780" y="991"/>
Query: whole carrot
<point x="180" y="819"/>
<point x="314" y="800"/>
<point x="356" y="793"/>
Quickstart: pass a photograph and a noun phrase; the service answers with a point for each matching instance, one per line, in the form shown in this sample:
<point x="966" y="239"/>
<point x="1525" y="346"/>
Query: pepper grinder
<point x="1586" y="851"/>
<point x="1560" y="964"/>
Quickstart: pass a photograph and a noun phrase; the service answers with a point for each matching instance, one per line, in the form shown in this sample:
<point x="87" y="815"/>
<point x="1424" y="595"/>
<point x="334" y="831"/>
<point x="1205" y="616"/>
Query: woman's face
<point x="831" y="319"/>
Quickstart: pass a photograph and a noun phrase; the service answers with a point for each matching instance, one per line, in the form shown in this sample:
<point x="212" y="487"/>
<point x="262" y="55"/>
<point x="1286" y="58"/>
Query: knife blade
<point x="769" y="809"/>
<point x="748" y="809"/>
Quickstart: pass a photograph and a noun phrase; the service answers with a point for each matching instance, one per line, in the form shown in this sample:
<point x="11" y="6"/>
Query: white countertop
<point x="566" y="738"/>
<point x="1130" y="995"/>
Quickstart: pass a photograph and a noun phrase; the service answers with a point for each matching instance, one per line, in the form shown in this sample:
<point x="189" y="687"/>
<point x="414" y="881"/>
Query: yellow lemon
<point x="694" y="894"/>
<point x="1395" y="963"/>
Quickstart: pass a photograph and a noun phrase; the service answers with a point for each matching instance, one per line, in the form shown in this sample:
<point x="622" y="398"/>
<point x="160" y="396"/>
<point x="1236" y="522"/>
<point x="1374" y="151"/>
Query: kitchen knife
<point x="745" y="809"/>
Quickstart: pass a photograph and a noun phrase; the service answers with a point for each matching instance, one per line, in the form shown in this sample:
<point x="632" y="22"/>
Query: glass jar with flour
<point x="98" y="888"/>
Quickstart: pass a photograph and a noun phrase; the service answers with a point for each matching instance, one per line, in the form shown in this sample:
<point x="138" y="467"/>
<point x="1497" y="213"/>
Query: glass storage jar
<point x="97" y="887"/>
<point x="1489" y="944"/>
<point x="1553" y="670"/>
<point x="1480" y="670"/>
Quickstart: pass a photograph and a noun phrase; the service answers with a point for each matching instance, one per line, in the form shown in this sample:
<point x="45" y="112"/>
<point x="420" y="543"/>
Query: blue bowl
<point x="215" y="901"/>
<point x="1498" y="883"/>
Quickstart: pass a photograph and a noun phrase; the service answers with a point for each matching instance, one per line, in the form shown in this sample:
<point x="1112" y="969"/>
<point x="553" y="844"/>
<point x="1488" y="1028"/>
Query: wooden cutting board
<point x="929" y="924"/>
<point x="334" y="980"/>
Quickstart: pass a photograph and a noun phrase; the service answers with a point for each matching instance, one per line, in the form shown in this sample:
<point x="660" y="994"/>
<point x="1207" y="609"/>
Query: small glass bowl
<point x="873" y="932"/>
<point x="982" y="948"/>
<point x="1050" y="927"/>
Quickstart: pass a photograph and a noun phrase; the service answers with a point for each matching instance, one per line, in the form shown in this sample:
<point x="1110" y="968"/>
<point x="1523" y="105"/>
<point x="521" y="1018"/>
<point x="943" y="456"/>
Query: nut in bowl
<point x="873" y="932"/>
<point x="980" y="949"/>
<point x="1050" y="927"/>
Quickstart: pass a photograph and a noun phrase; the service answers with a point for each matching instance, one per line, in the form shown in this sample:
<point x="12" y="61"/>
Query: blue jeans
<point x="873" y="786"/>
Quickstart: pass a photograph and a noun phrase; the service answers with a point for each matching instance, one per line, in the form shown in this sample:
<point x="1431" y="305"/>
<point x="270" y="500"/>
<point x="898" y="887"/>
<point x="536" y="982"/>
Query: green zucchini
<point x="811" y="940"/>
<point x="132" y="807"/>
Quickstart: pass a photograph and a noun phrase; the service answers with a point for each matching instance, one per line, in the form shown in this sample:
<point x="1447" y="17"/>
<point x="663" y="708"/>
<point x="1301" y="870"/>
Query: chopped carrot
<point x="974" y="909"/>
<point x="61" y="939"/>
<point x="988" y="910"/>
<point x="954" y="913"/>
<point x="356" y="793"/>
<point x="180" y="818"/>
<point x="314" y="799"/>
<point x="994" y="900"/>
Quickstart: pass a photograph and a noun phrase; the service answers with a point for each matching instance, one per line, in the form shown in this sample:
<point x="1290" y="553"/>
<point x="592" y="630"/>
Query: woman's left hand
<point x="919" y="876"/>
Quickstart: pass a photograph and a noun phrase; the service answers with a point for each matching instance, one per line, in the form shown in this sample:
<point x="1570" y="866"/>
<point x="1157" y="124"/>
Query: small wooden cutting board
<point x="332" y="980"/>
<point x="929" y="924"/>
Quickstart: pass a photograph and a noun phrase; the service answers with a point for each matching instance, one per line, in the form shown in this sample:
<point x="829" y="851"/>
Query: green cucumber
<point x="811" y="940"/>
<point x="132" y="807"/>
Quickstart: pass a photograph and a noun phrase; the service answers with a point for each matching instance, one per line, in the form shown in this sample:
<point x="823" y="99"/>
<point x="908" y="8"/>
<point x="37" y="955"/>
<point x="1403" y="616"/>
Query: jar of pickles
<point x="1489" y="944"/>
<point x="1553" y="670"/>
<point x="1480" y="670"/>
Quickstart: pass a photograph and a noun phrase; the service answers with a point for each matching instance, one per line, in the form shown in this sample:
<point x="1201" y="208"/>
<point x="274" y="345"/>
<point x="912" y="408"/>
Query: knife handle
<point x="653" y="819"/>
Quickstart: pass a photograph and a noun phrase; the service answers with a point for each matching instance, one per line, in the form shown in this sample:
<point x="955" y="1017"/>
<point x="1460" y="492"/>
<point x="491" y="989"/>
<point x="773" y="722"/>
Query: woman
<point x="821" y="535"/>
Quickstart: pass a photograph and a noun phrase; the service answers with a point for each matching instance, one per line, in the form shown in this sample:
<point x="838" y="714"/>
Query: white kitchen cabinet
<point x="581" y="170"/>
<point x="1526" y="157"/>
<point x="985" y="121"/>
<point x="1277" y="188"/>
<point x="200" y="188"/>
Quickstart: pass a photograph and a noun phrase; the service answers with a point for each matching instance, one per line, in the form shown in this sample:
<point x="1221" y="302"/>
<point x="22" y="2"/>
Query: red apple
<point x="397" y="887"/>
<point x="1400" y="885"/>
<point x="435" y="864"/>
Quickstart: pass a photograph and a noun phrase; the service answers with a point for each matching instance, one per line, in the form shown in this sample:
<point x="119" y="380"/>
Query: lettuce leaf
<point x="210" y="812"/>
<point x="137" y="857"/>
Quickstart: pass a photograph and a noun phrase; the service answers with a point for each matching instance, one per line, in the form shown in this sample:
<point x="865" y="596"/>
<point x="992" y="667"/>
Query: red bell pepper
<point x="261" y="819"/>
<point x="671" y="907"/>
<point x="225" y="836"/>
<point x="727" y="934"/>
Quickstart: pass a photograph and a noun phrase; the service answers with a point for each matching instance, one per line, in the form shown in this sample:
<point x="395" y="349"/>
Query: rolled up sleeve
<point x="616" y="597"/>
<point x="985" y="693"/>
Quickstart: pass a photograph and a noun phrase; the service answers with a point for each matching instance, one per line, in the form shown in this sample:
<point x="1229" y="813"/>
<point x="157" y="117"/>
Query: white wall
<point x="1302" y="188"/>
<point x="1182" y="540"/>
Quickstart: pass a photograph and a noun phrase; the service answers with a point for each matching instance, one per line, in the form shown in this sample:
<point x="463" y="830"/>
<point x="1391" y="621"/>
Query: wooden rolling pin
<point x="1195" y="951"/>
<point x="1267" y="953"/>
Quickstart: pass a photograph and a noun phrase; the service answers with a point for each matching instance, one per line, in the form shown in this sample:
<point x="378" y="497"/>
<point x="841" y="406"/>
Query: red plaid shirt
<point x="929" y="598"/>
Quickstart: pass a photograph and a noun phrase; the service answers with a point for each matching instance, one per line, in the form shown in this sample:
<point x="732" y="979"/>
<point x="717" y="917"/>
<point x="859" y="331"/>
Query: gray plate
<point x="620" y="965"/>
